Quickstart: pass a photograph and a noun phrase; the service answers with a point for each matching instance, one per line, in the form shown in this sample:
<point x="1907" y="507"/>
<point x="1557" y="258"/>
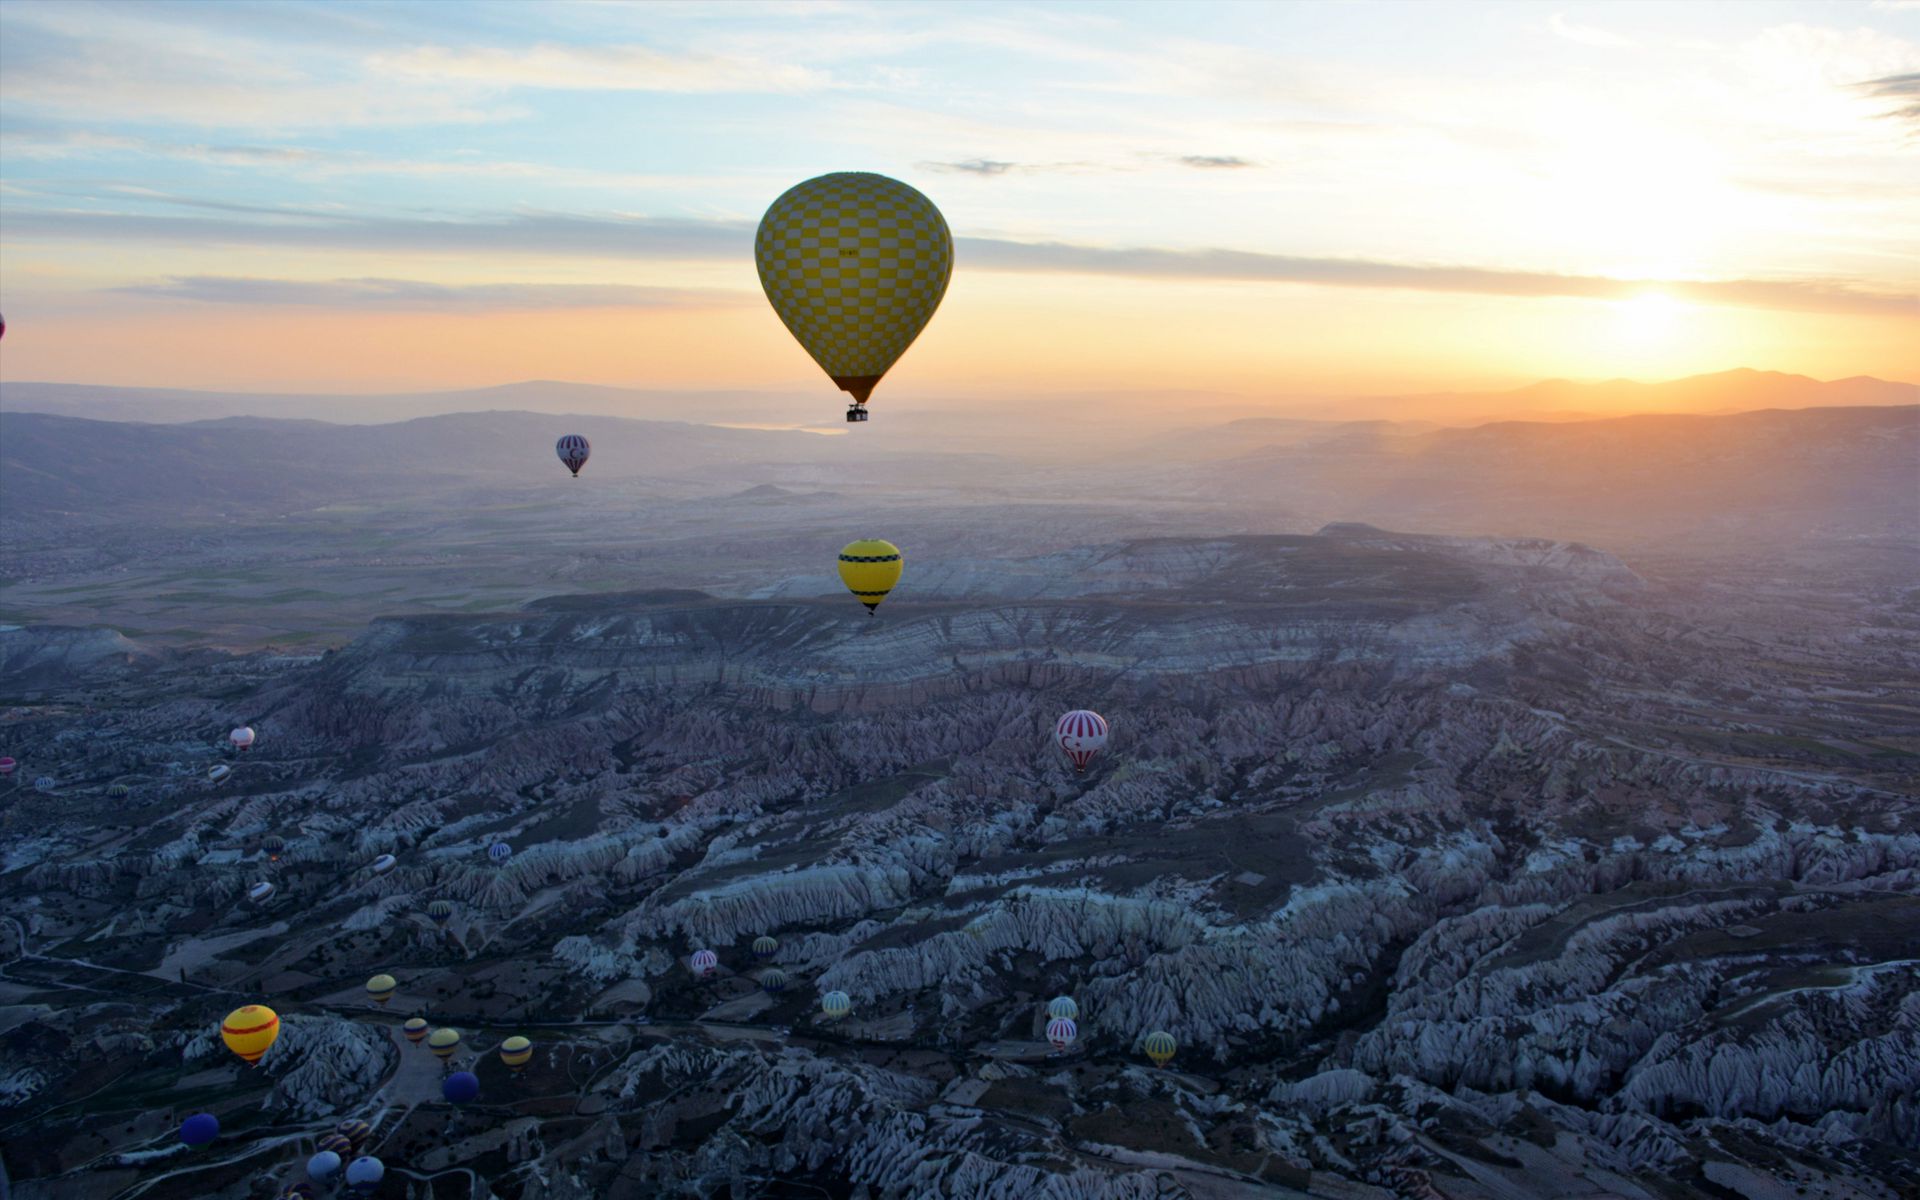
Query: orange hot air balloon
<point x="250" y="1031"/>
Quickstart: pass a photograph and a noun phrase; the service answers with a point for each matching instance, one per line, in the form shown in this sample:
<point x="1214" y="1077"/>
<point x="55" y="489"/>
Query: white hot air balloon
<point x="573" y="451"/>
<point x="1061" y="1032"/>
<point x="383" y="864"/>
<point x="218" y="773"/>
<point x="1081" y="735"/>
<point x="704" y="962"/>
<point x="260" y="891"/>
<point x="242" y="738"/>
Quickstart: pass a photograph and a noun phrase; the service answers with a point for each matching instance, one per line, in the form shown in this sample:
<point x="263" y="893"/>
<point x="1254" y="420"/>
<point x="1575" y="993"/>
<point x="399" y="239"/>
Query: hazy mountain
<point x="1841" y="472"/>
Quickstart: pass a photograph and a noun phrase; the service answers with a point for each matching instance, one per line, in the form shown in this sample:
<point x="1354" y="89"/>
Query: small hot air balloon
<point x="44" y="784"/>
<point x="242" y="738"/>
<point x="259" y="892"/>
<point x="1160" y="1047"/>
<point x="365" y="1174"/>
<point x="250" y="1031"/>
<point x="870" y="568"/>
<point x="516" y="1052"/>
<point x="322" y="1167"/>
<point x="855" y="265"/>
<point x="335" y="1143"/>
<point x="383" y="864"/>
<point x="199" y="1129"/>
<point x="218" y="772"/>
<point x="836" y="1005"/>
<point x="380" y="988"/>
<point x="356" y="1132"/>
<point x="704" y="962"/>
<point x="764" y="947"/>
<point x="1063" y="1007"/>
<point x="1061" y="1032"/>
<point x="500" y="852"/>
<point x="773" y="981"/>
<point x="444" y="1043"/>
<point x="1081" y="734"/>
<point x="415" y="1029"/>
<point x="461" y="1087"/>
<point x="273" y="846"/>
<point x="441" y="911"/>
<point x="573" y="451"/>
<point x="8" y="765"/>
<point x="119" y="791"/>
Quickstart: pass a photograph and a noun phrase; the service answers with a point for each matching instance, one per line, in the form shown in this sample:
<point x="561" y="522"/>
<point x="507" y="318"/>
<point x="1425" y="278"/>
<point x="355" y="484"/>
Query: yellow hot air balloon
<point x="415" y="1029"/>
<point x="380" y="988"/>
<point x="1160" y="1047"/>
<point x="515" y="1052"/>
<point x="870" y="568"/>
<point x="250" y="1031"/>
<point x="443" y="1043"/>
<point x="854" y="264"/>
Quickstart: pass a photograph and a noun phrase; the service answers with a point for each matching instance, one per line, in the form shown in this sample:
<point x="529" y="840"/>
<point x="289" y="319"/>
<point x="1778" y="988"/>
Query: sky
<point x="1265" y="199"/>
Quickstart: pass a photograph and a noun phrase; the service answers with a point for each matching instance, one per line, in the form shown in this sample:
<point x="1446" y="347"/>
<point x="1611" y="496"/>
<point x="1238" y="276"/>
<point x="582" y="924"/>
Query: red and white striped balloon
<point x="704" y="961"/>
<point x="1081" y="734"/>
<point x="1061" y="1032"/>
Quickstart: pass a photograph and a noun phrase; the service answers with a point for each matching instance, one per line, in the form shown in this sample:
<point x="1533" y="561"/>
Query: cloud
<point x="628" y="68"/>
<point x="1213" y="162"/>
<point x="1588" y="35"/>
<point x="1903" y="90"/>
<point x="422" y="296"/>
<point x="971" y="166"/>
<point x="675" y="239"/>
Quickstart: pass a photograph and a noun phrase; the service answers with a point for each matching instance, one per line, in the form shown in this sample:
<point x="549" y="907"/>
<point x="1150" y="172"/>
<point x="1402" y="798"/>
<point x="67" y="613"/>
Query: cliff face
<point x="1442" y="861"/>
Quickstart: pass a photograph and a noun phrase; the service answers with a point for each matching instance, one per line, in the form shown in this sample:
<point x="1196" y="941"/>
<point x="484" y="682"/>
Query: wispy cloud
<point x="660" y="239"/>
<point x="1903" y="90"/>
<point x="1588" y="35"/>
<point x="971" y="166"/>
<point x="1211" y="162"/>
<point x="420" y="295"/>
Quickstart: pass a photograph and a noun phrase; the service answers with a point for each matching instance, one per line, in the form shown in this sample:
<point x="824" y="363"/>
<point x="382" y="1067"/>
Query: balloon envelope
<point x="1081" y="734"/>
<point x="250" y="1030"/>
<point x="259" y="891"/>
<point x="870" y="568"/>
<point x="704" y="962"/>
<point x="515" y="1052"/>
<point x="415" y="1029"/>
<point x="322" y="1167"/>
<point x="855" y="265"/>
<point x="241" y="737"/>
<point x="500" y="852"/>
<point x="461" y="1087"/>
<point x="8" y="765"/>
<point x="199" y="1129"/>
<point x="764" y="946"/>
<point x="1062" y="1032"/>
<point x="384" y="863"/>
<point x="573" y="451"/>
<point x="1063" y="1006"/>
<point x="444" y="1042"/>
<point x="364" y="1172"/>
<point x="836" y="1004"/>
<point x="1160" y="1047"/>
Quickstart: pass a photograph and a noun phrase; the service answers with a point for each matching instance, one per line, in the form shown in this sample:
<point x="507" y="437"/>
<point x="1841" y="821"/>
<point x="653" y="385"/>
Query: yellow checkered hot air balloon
<point x="870" y="568"/>
<point x="250" y="1031"/>
<point x="854" y="264"/>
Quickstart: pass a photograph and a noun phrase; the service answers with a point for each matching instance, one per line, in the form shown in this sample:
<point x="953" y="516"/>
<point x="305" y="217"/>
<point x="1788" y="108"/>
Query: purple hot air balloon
<point x="461" y="1087"/>
<point x="199" y="1129"/>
